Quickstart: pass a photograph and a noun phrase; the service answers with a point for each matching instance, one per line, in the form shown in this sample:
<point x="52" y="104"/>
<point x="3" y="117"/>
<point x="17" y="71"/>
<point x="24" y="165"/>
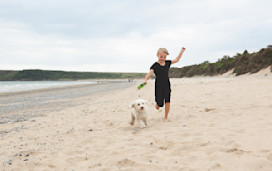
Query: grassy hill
<point x="37" y="75"/>
<point x="241" y="63"/>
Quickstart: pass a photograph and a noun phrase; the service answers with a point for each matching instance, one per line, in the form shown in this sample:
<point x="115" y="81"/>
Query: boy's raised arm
<point x="178" y="57"/>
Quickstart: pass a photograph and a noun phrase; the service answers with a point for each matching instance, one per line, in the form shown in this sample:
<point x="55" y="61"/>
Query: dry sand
<point x="216" y="124"/>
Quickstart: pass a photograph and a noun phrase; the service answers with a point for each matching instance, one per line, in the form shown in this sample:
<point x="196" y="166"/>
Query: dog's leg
<point x="141" y="123"/>
<point x="145" y="122"/>
<point x="132" y="120"/>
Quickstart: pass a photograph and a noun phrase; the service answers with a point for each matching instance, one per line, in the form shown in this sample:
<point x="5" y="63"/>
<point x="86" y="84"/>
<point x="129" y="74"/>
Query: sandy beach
<point x="216" y="123"/>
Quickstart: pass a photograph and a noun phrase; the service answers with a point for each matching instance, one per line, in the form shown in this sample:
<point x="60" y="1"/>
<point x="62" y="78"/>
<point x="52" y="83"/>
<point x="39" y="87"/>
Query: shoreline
<point x="23" y="105"/>
<point x="60" y="87"/>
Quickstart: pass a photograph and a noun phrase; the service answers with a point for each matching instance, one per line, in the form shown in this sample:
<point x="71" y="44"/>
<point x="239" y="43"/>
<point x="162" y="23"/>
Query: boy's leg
<point x="159" y="102"/>
<point x="167" y="104"/>
<point x="157" y="107"/>
<point x="167" y="109"/>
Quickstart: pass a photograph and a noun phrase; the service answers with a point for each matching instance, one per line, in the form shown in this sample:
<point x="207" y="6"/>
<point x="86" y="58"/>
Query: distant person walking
<point x="162" y="83"/>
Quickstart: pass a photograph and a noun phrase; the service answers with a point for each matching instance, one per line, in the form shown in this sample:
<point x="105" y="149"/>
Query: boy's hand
<point x="145" y="81"/>
<point x="183" y="49"/>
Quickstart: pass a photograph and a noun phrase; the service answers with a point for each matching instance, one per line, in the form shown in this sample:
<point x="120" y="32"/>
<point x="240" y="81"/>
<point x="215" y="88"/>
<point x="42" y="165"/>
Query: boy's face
<point x="162" y="57"/>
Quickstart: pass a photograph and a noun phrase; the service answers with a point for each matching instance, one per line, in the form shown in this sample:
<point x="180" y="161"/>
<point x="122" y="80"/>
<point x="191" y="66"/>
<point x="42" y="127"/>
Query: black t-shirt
<point x="161" y="73"/>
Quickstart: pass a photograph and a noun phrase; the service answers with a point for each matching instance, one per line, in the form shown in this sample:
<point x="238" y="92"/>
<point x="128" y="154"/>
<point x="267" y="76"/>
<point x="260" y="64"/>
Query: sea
<point x="14" y="86"/>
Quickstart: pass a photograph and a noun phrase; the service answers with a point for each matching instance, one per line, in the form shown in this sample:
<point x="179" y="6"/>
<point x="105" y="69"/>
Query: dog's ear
<point x="132" y="105"/>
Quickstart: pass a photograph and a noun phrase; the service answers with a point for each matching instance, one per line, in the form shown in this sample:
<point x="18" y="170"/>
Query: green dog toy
<point x="141" y="86"/>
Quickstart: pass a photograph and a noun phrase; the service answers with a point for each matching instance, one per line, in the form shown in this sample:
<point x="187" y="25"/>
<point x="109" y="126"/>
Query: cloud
<point x="125" y="35"/>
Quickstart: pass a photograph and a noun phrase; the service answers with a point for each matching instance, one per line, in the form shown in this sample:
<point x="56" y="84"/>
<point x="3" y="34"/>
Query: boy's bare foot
<point x="166" y="120"/>
<point x="158" y="108"/>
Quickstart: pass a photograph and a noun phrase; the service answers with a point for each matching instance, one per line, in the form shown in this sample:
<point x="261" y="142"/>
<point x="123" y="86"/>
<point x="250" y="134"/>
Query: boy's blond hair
<point x="162" y="50"/>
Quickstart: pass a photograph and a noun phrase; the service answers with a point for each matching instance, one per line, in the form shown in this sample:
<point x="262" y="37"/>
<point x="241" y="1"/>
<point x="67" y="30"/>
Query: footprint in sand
<point x="208" y="109"/>
<point x="269" y="156"/>
<point x="51" y="166"/>
<point x="163" y="148"/>
<point x="216" y="166"/>
<point x="109" y="124"/>
<point x="125" y="163"/>
<point x="235" y="151"/>
<point x="205" y="144"/>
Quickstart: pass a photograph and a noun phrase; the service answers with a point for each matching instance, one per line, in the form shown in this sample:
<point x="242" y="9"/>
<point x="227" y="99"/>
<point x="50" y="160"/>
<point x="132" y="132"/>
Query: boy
<point x="162" y="83"/>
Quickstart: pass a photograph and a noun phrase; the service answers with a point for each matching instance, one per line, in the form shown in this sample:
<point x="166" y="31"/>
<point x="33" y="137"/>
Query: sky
<point x="124" y="35"/>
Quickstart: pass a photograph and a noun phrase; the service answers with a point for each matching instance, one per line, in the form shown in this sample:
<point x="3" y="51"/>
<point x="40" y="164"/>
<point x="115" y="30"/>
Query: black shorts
<point x="162" y="96"/>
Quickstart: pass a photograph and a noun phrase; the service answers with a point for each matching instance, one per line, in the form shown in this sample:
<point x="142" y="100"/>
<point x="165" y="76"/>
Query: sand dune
<point x="216" y="124"/>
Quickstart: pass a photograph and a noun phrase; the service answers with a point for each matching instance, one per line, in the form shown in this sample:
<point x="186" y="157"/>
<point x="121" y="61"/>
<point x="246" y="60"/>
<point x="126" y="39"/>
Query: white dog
<point x="139" y="111"/>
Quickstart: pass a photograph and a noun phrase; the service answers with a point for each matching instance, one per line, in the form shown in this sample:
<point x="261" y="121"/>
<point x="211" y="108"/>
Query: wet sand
<point x="23" y="105"/>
